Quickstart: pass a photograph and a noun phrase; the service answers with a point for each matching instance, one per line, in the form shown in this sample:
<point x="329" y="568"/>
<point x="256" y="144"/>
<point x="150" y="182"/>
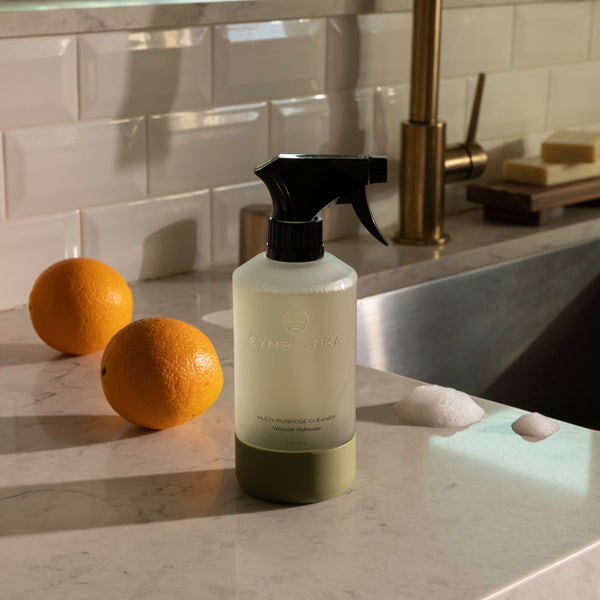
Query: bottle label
<point x="298" y="424"/>
<point x="295" y="367"/>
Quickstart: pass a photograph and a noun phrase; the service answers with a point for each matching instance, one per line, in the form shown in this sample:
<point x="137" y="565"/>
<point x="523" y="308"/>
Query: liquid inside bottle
<point x="295" y="354"/>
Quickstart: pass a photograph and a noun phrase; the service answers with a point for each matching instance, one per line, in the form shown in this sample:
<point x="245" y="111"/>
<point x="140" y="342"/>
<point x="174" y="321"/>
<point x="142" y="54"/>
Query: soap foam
<point x="437" y="406"/>
<point x="535" y="425"/>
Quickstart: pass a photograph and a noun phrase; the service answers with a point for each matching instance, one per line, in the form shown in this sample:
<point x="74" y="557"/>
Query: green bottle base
<point x="295" y="477"/>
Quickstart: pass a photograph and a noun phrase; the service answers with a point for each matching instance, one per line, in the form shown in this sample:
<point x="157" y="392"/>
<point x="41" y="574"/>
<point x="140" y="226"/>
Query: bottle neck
<point x="295" y="241"/>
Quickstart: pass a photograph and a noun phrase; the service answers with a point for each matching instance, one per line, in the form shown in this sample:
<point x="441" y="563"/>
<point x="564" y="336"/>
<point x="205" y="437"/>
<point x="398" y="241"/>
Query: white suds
<point x="535" y="425"/>
<point x="437" y="406"/>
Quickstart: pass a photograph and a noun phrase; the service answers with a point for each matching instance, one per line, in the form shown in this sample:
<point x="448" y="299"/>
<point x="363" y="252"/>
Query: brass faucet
<point x="426" y="163"/>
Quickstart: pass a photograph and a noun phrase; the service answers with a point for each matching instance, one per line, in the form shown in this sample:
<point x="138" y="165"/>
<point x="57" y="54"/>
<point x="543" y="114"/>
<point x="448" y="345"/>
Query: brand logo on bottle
<point x="265" y="343"/>
<point x="295" y="321"/>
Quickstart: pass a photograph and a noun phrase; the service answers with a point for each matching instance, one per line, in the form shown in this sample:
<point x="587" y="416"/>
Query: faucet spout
<point x="424" y="158"/>
<point x="425" y="67"/>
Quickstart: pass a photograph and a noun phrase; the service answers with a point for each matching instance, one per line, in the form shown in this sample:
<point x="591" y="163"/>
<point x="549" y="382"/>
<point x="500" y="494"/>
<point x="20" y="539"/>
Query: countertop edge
<point x="414" y="265"/>
<point x="556" y="579"/>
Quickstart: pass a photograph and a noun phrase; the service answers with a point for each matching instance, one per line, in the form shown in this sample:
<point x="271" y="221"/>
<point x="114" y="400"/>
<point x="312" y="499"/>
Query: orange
<point x="76" y="305"/>
<point x="160" y="372"/>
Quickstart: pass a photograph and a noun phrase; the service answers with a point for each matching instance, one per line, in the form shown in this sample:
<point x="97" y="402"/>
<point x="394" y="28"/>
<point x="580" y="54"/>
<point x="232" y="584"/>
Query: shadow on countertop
<point x="379" y="413"/>
<point x="37" y="433"/>
<point x="69" y="505"/>
<point x="13" y="354"/>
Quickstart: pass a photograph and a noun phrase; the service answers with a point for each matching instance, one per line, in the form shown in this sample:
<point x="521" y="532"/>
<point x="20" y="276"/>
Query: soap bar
<point x="534" y="170"/>
<point x="572" y="146"/>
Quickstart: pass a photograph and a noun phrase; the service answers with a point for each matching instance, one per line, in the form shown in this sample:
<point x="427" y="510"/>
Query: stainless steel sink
<point x="525" y="333"/>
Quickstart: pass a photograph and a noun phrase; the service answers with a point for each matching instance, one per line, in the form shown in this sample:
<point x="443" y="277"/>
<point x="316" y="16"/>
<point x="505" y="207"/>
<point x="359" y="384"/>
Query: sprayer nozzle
<point x="303" y="184"/>
<point x="377" y="169"/>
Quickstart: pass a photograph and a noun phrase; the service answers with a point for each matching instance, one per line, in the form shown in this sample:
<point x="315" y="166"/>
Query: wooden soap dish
<point x="530" y="204"/>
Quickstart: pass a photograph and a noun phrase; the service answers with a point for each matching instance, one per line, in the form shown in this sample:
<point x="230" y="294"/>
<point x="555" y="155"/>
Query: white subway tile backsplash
<point x="384" y="199"/>
<point x="200" y="149"/>
<point x="574" y="92"/>
<point x="496" y="153"/>
<point x="514" y="103"/>
<point x="455" y="197"/>
<point x="150" y="238"/>
<point x="227" y="202"/>
<point x="391" y="106"/>
<point x="476" y="39"/>
<point x="118" y="71"/>
<point x="552" y="33"/>
<point x="590" y="127"/>
<point x="350" y="122"/>
<point x="595" y="45"/>
<point x="299" y="125"/>
<point x="339" y="220"/>
<point x="39" y="80"/>
<point x="2" y="185"/>
<point x="66" y="166"/>
<point x="334" y="123"/>
<point x="91" y="125"/>
<point x="453" y="108"/>
<point x="268" y="60"/>
<point x="28" y="246"/>
<point x="368" y="50"/>
<point x="525" y="145"/>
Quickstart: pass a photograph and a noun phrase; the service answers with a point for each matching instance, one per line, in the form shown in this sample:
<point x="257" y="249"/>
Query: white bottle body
<point x="294" y="353"/>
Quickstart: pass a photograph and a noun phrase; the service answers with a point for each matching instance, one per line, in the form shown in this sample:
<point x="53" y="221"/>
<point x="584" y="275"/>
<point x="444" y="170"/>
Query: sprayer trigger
<point x="358" y="199"/>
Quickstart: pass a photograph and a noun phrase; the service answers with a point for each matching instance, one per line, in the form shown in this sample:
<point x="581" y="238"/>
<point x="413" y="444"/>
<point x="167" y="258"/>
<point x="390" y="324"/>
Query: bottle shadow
<point x="76" y="505"/>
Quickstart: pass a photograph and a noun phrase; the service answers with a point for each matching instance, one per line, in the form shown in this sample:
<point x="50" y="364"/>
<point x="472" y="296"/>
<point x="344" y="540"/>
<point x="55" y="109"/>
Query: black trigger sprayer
<point x="301" y="185"/>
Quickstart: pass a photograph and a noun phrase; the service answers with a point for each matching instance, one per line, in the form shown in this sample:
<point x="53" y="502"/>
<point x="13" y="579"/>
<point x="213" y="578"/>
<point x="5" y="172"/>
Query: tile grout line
<point x="513" y="45"/>
<point x="594" y="8"/>
<point x="78" y="119"/>
<point x="80" y="230"/>
<point x="4" y="175"/>
<point x="77" y="76"/>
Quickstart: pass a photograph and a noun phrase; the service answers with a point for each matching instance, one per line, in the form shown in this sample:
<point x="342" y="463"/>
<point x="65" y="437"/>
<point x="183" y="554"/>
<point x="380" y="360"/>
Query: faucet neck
<point x="425" y="61"/>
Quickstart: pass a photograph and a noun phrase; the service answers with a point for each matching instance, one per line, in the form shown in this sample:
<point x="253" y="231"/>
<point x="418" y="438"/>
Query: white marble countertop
<point x="93" y="507"/>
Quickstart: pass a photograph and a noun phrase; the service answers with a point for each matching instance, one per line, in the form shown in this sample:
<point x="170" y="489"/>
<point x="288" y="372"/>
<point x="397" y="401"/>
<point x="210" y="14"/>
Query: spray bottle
<point x="294" y="315"/>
